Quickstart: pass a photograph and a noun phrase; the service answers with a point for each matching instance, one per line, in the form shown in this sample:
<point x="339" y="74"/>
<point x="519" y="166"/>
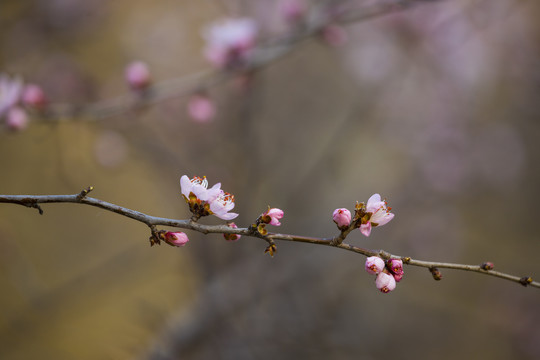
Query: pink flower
<point x="385" y="282"/>
<point x="378" y="214"/>
<point x="272" y="216"/>
<point x="10" y="92"/>
<point x="201" y="108"/>
<point x="34" y="96"/>
<point x="342" y="217"/>
<point x="222" y="204"/>
<point x="137" y="75"/>
<point x="16" y="119"/>
<point x="199" y="187"/>
<point x="374" y="265"/>
<point x="395" y="266"/>
<point x="232" y="237"/>
<point x="229" y="41"/>
<point x="176" y="238"/>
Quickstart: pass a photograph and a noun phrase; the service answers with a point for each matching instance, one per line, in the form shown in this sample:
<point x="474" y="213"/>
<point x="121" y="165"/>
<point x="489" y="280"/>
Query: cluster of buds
<point x="230" y="41"/>
<point x="388" y="272"/>
<point x="232" y="237"/>
<point x="375" y="213"/>
<point x="13" y="94"/>
<point x="203" y="201"/>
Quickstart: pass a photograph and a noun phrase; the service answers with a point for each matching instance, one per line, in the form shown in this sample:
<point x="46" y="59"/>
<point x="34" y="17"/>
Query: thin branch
<point x="33" y="201"/>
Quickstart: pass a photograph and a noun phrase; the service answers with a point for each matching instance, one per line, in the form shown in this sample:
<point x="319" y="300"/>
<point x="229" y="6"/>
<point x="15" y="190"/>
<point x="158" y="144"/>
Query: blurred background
<point x="435" y="108"/>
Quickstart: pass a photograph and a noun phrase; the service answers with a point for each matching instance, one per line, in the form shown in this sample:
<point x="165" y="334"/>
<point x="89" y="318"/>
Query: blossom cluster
<point x="375" y="213"/>
<point x="13" y="94"/>
<point x="388" y="272"/>
<point x="203" y="201"/>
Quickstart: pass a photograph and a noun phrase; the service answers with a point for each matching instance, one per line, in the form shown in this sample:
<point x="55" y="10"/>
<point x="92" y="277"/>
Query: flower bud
<point x="201" y="108"/>
<point x="395" y="266"/>
<point x="272" y="216"/>
<point x="34" y="96"/>
<point x="232" y="237"/>
<point x="374" y="265"/>
<point x="16" y="119"/>
<point x="385" y="282"/>
<point x="176" y="238"/>
<point x="342" y="217"/>
<point x="137" y="75"/>
<point x="487" y="266"/>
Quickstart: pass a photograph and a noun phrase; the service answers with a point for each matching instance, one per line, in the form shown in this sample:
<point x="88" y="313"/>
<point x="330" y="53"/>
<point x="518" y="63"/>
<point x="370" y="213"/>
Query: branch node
<point x="406" y="259"/>
<point x="435" y="273"/>
<point x="85" y="192"/>
<point x="526" y="280"/>
<point x="487" y="266"/>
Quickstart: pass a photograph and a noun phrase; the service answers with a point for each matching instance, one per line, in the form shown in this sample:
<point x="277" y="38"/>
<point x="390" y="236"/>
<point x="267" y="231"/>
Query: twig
<point x="153" y="221"/>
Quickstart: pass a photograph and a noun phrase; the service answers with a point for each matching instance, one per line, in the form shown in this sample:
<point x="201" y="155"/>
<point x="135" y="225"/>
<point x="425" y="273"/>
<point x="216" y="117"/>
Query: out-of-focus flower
<point x="201" y="108"/>
<point x="229" y="41"/>
<point x="334" y="35"/>
<point x="272" y="216"/>
<point x="16" y="119"/>
<point x="222" y="204"/>
<point x="292" y="10"/>
<point x="10" y="92"/>
<point x="34" y="96"/>
<point x="377" y="214"/>
<point x="137" y="75"/>
<point x="176" y="238"/>
<point x="232" y="237"/>
<point x="374" y="265"/>
<point x="342" y="217"/>
<point x="385" y="282"/>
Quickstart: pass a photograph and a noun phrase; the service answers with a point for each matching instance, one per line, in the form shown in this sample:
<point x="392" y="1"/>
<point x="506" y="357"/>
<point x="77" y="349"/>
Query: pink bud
<point x="374" y="264"/>
<point x="342" y="217"/>
<point x="201" y="108"/>
<point x="176" y="238"/>
<point x="292" y="10"/>
<point x="16" y="119"/>
<point x="398" y="277"/>
<point x="273" y="215"/>
<point x="334" y="35"/>
<point x="395" y="266"/>
<point x="137" y="75"/>
<point x="232" y="237"/>
<point x="385" y="282"/>
<point x="34" y="96"/>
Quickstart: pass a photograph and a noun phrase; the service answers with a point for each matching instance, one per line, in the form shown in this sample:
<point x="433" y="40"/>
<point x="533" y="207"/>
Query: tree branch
<point x="33" y="201"/>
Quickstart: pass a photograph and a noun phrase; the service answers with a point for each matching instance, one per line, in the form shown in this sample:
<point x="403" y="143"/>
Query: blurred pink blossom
<point x="137" y="75"/>
<point x="16" y="119"/>
<point x="10" y="92"/>
<point x="229" y="41"/>
<point x="34" y="96"/>
<point x="334" y="35"/>
<point x="292" y="10"/>
<point x="201" y="108"/>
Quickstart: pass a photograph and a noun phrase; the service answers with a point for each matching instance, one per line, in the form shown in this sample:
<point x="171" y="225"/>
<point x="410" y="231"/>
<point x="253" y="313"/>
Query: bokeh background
<point x="436" y="108"/>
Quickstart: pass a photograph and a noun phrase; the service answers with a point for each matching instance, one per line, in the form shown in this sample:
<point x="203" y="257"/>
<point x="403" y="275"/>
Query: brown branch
<point x="153" y="221"/>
